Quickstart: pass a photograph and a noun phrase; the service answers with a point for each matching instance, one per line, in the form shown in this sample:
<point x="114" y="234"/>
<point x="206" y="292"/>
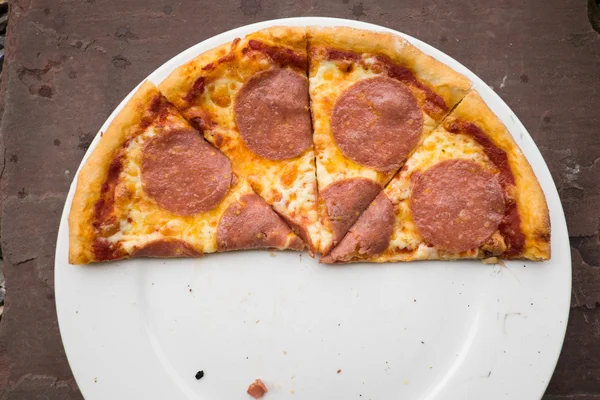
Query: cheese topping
<point x="141" y="220"/>
<point x="406" y="242"/>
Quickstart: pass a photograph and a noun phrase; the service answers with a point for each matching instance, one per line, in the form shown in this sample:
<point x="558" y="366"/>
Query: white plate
<point x="427" y="330"/>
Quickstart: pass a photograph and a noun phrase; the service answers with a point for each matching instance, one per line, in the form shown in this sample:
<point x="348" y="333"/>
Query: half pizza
<point x="374" y="98"/>
<point x="154" y="187"/>
<point x="466" y="192"/>
<point x="249" y="98"/>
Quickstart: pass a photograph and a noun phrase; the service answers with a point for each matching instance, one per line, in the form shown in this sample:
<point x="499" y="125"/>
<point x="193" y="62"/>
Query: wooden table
<point x="70" y="62"/>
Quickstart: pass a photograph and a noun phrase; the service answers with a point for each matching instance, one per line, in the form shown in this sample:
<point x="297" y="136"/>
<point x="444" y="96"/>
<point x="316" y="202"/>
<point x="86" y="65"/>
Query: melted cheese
<point x="406" y="242"/>
<point x="326" y="85"/>
<point x="141" y="220"/>
<point x="328" y="81"/>
<point x="287" y="185"/>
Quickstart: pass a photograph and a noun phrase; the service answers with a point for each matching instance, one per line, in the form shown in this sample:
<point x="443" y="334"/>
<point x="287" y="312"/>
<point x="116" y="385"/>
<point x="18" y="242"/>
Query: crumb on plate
<point x="257" y="389"/>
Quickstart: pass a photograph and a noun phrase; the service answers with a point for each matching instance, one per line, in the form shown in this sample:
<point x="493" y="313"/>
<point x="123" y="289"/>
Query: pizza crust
<point x="94" y="172"/>
<point x="533" y="209"/>
<point x="177" y="85"/>
<point x="293" y="37"/>
<point x="443" y="80"/>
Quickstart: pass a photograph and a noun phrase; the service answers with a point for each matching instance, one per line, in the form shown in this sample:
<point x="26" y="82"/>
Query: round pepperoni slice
<point x="271" y="112"/>
<point x="457" y="205"/>
<point x="377" y="122"/>
<point x="346" y="200"/>
<point x="183" y="173"/>
<point x="251" y="224"/>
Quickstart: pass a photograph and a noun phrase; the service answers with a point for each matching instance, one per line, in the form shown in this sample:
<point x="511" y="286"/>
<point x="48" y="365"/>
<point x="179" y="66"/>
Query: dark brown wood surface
<point x="70" y="62"/>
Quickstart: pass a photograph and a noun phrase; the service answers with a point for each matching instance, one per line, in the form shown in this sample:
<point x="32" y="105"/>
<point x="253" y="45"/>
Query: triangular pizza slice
<point x="374" y="98"/>
<point x="466" y="192"/>
<point x="250" y="100"/>
<point x="154" y="187"/>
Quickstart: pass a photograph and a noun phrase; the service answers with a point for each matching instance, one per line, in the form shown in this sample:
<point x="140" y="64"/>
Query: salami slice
<point x="251" y="224"/>
<point x="346" y="200"/>
<point x="167" y="248"/>
<point x="370" y="236"/>
<point x="183" y="173"/>
<point x="457" y="205"/>
<point x="377" y="122"/>
<point x="271" y="113"/>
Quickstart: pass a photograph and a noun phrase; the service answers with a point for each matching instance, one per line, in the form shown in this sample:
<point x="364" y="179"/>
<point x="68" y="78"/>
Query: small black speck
<point x="524" y="78"/>
<point x="56" y="142"/>
<point x="422" y="342"/>
<point x="246" y="358"/>
<point x="338" y="324"/>
<point x="531" y="303"/>
<point x="468" y="305"/>
<point x="199" y="375"/>
<point x="524" y="266"/>
<point x="539" y="352"/>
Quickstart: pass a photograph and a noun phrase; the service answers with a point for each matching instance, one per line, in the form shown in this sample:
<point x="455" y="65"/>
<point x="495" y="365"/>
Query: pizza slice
<point x="250" y="100"/>
<point x="154" y="187"/>
<point x="467" y="192"/>
<point x="374" y="98"/>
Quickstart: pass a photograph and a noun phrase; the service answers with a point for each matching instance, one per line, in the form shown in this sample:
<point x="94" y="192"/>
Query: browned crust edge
<point x="531" y="201"/>
<point x="95" y="169"/>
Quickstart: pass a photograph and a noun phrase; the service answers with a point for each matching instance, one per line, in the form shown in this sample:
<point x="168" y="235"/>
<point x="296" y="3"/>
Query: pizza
<point x="374" y="98"/>
<point x="153" y="187"/>
<point x="250" y="100"/>
<point x="352" y="144"/>
<point x="467" y="192"/>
